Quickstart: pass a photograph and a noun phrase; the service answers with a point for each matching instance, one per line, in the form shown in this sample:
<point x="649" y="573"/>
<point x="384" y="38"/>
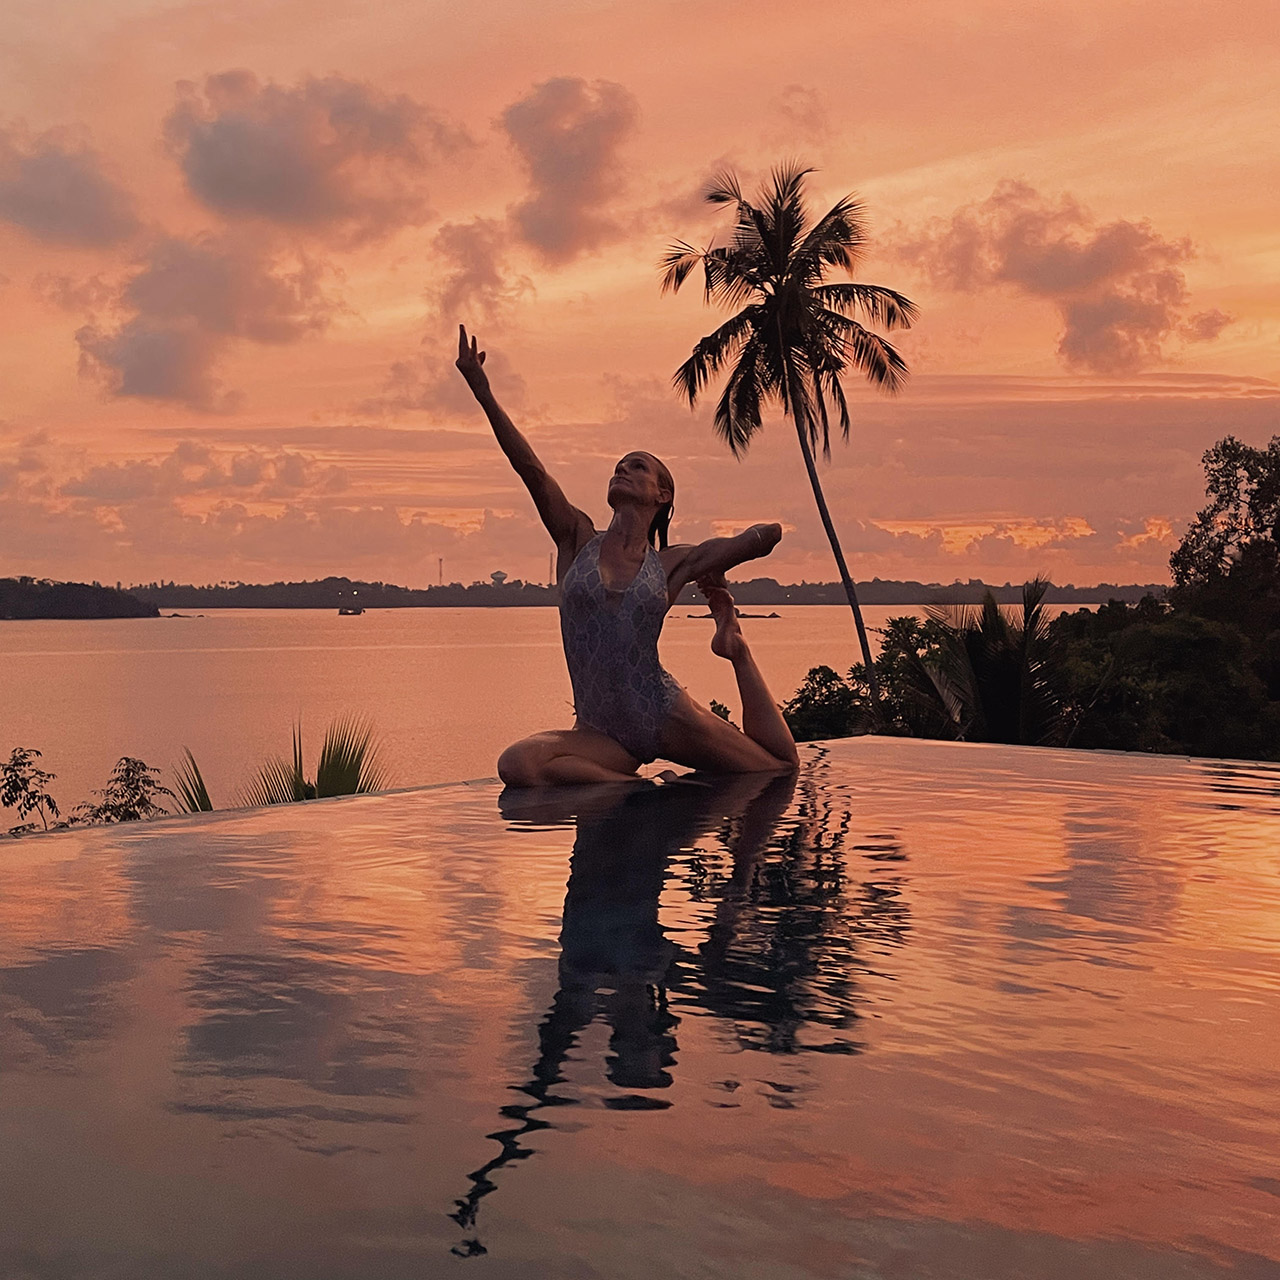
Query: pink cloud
<point x="55" y="188"/>
<point x="196" y="468"/>
<point x="1118" y="286"/>
<point x="567" y="133"/>
<point x="189" y="299"/>
<point x="327" y="154"/>
<point x="475" y="281"/>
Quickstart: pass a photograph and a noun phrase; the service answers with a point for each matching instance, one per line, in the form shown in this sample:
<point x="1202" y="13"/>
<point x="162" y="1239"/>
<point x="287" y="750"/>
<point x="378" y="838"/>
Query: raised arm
<point x="717" y="555"/>
<point x="564" y="522"/>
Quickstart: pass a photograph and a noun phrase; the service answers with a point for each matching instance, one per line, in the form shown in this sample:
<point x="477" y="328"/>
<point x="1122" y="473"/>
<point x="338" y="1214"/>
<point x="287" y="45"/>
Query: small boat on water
<point x="350" y="611"/>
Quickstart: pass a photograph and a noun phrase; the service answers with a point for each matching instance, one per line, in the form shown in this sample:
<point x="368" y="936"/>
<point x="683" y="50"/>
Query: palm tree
<point x="796" y="335"/>
<point x="991" y="678"/>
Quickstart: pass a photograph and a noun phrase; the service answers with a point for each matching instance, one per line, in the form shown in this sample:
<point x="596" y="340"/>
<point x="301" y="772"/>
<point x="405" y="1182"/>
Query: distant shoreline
<point x="336" y="593"/>
<point x="27" y="598"/>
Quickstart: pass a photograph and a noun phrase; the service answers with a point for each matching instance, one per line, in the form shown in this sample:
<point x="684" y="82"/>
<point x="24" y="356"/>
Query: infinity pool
<point x="928" y="1011"/>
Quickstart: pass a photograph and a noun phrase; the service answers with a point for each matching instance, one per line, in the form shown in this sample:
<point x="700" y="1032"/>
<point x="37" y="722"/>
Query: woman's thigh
<point x="697" y="738"/>
<point x="526" y="762"/>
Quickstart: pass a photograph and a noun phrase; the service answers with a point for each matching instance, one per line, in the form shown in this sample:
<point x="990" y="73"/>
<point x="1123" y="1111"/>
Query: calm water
<point x="447" y="688"/>
<point x="933" y="1011"/>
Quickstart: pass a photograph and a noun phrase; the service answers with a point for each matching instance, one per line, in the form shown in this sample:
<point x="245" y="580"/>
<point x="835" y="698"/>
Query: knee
<point x="521" y="764"/>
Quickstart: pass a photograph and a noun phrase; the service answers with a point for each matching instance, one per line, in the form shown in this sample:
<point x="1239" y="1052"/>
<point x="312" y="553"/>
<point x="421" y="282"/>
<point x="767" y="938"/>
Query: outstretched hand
<point x="471" y="363"/>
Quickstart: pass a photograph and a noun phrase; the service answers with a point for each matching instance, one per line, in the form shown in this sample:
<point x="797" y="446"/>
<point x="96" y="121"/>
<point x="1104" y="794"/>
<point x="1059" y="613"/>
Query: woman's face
<point x="639" y="477"/>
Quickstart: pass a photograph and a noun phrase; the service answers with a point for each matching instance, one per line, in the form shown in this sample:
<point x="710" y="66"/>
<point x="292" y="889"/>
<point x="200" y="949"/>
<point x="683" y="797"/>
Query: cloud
<point x="327" y="155"/>
<point x="1205" y="326"/>
<point x="475" y="282"/>
<point x="195" y="468"/>
<point x="431" y="384"/>
<point x="71" y="293"/>
<point x="802" y="116"/>
<point x="189" y="299"/>
<point x="568" y="133"/>
<point x="54" y="188"/>
<point x="1118" y="286"/>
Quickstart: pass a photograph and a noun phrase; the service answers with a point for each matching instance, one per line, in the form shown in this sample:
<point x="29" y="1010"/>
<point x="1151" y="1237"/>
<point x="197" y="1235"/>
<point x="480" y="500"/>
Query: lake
<point x="928" y="1010"/>
<point x="446" y="688"/>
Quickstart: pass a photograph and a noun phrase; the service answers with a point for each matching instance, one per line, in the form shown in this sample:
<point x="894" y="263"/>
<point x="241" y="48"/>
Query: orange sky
<point x="235" y="240"/>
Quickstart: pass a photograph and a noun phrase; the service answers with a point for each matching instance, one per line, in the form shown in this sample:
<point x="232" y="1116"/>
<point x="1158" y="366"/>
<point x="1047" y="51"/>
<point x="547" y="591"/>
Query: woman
<point x="616" y="588"/>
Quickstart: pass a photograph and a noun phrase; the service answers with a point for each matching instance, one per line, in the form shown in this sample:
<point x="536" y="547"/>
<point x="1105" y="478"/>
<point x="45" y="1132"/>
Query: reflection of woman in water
<point x="616" y="587"/>
<point x="616" y="962"/>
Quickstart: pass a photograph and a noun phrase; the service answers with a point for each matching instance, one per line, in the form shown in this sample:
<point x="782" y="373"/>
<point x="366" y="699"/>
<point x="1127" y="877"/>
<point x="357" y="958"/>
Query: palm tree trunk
<point x="849" y="590"/>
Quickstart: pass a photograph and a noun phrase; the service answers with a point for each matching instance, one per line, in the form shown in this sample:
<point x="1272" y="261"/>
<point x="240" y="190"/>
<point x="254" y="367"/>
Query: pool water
<point x="929" y="1010"/>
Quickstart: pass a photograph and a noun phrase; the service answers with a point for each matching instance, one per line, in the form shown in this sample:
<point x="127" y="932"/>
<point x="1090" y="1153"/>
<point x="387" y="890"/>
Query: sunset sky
<point x="236" y="239"/>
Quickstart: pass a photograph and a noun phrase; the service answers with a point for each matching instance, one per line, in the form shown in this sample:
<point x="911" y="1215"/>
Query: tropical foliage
<point x="349" y="764"/>
<point x="968" y="674"/>
<point x="131" y="795"/>
<point x="793" y="335"/>
<point x="1197" y="673"/>
<point x="192" y="791"/>
<point x="24" y="787"/>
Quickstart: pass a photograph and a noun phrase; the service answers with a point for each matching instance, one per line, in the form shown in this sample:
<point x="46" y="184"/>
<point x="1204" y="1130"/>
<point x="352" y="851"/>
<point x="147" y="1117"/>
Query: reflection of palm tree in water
<point x="617" y="963"/>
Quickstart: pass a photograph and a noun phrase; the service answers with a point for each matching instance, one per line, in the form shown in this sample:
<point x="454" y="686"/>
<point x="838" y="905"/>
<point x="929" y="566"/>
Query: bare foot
<point x="728" y="641"/>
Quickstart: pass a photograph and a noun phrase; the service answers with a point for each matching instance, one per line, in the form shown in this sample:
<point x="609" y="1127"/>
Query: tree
<point x="1243" y="488"/>
<point x="23" y="786"/>
<point x="129" y="796"/>
<point x="991" y="678"/>
<point x="796" y="335"/>
<point x="1227" y="567"/>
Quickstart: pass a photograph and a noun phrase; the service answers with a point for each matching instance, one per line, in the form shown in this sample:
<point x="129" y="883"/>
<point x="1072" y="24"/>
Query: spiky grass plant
<point x="192" y="794"/>
<point x="349" y="764"/>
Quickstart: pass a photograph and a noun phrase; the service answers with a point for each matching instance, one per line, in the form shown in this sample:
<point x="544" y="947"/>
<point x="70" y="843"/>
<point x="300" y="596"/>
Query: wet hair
<point x="662" y="520"/>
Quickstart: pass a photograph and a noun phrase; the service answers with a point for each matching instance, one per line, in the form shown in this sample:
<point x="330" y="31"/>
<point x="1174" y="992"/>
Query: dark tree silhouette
<point x="795" y="335"/>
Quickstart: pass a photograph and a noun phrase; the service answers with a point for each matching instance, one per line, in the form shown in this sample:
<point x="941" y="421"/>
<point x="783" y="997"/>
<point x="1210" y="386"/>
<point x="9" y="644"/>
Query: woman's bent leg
<point x="762" y="720"/>
<point x="695" y="737"/>
<point x="562" y="756"/>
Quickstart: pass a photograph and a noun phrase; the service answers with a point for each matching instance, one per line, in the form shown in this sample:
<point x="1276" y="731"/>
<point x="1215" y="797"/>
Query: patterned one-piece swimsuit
<point x="611" y="647"/>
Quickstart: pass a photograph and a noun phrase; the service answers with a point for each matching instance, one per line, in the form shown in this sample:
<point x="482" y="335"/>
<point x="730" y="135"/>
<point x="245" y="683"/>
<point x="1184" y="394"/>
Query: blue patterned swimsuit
<point x="611" y="647"/>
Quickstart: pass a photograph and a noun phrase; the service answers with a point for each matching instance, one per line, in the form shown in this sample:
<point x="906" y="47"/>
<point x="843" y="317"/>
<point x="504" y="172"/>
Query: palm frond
<point x="836" y="240"/>
<point x="1041" y="716"/>
<point x="836" y="391"/>
<point x="877" y="358"/>
<point x="783" y="202"/>
<point x="278" y="782"/>
<point x="723" y="188"/>
<point x="714" y="351"/>
<point x="677" y="264"/>
<point x="737" y="416"/>
<point x="1035" y="621"/>
<point x="349" y="759"/>
<point x="731" y="276"/>
<point x="881" y="306"/>
<point x="192" y="792"/>
<point x="952" y="699"/>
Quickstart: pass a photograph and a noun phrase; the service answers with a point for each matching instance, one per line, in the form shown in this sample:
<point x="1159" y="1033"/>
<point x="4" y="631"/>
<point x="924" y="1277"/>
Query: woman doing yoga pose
<point x="616" y="588"/>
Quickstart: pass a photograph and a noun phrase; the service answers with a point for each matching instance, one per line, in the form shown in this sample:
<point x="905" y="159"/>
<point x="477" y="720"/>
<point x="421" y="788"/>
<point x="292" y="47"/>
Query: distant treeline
<point x="25" y="598"/>
<point x="335" y="593"/>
